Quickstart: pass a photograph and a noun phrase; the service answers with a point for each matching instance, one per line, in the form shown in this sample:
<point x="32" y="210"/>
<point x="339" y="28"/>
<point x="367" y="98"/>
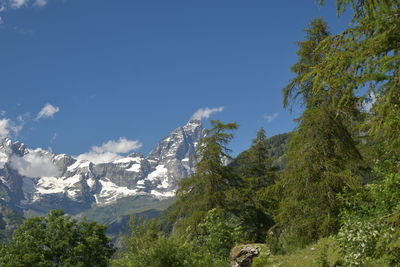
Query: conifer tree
<point x="368" y="59"/>
<point x="364" y="60"/>
<point x="301" y="86"/>
<point x="258" y="174"/>
<point x="322" y="161"/>
<point x="256" y="163"/>
<point x="323" y="158"/>
<point x="208" y="187"/>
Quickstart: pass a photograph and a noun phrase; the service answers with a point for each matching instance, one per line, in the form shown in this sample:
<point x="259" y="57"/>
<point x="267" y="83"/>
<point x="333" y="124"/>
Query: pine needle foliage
<point x="301" y="86"/>
<point x="209" y="187"/>
<point x="255" y="206"/>
<point x="323" y="161"/>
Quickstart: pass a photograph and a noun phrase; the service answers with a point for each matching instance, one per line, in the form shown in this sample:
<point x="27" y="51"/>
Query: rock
<point x="242" y="255"/>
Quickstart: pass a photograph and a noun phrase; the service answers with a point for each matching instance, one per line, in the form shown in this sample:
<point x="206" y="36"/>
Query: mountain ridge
<point x="81" y="184"/>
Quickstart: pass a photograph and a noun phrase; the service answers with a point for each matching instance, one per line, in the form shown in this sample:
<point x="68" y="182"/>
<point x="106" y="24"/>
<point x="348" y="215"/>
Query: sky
<point x="80" y="76"/>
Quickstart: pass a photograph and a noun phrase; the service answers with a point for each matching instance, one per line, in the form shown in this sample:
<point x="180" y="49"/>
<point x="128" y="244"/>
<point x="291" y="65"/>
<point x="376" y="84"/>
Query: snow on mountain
<point x="41" y="180"/>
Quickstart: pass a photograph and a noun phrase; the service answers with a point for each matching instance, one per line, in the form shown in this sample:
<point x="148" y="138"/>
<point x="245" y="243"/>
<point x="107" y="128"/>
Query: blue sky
<point x="139" y="69"/>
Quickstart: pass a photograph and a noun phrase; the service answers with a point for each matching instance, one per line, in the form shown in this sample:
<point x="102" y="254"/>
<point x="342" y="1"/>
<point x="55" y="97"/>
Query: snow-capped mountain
<point x="74" y="184"/>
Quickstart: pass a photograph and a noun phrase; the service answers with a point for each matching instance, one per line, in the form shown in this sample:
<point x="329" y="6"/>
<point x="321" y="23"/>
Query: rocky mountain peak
<point x="8" y="147"/>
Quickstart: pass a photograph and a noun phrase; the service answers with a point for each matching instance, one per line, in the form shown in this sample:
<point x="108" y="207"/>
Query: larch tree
<point x="323" y="158"/>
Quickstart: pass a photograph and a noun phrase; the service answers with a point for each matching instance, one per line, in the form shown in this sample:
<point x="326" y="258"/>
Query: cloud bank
<point x="110" y="150"/>
<point x="17" y="3"/>
<point x="205" y="113"/>
<point x="5" y="5"/>
<point x="33" y="165"/>
<point x="8" y="128"/>
<point x="4" y="127"/>
<point x="123" y="145"/>
<point x="47" y="111"/>
<point x="271" y="117"/>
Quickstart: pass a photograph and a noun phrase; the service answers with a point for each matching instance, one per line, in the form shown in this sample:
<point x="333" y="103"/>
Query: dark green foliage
<point x="254" y="205"/>
<point x="57" y="240"/>
<point x="323" y="161"/>
<point x="323" y="158"/>
<point x="218" y="234"/>
<point x="147" y="246"/>
<point x="276" y="146"/>
<point x="366" y="56"/>
<point x="256" y="163"/>
<point x="240" y="191"/>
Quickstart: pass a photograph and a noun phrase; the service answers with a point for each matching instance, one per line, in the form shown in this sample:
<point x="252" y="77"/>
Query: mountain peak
<point x="194" y="121"/>
<point x="9" y="147"/>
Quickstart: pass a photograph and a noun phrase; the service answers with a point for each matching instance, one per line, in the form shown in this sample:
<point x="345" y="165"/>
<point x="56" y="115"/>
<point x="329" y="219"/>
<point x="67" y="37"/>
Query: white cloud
<point x="271" y="117"/>
<point x="98" y="158"/>
<point x="6" y="5"/>
<point x="17" y="128"/>
<point x="53" y="138"/>
<point x="205" y="113"/>
<point x="22" y="120"/>
<point x="5" y="127"/>
<point x="40" y="3"/>
<point x="34" y="165"/>
<point x="8" y="127"/>
<point x="123" y="145"/>
<point x="110" y="150"/>
<point x="47" y="111"/>
<point x="2" y="112"/>
<point x="18" y="3"/>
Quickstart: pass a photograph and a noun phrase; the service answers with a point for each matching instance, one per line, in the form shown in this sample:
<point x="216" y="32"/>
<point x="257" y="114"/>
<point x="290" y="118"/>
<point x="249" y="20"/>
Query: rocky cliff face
<point x="75" y="185"/>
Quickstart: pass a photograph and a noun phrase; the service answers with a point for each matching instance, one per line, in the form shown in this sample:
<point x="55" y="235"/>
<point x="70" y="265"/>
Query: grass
<point x="324" y="253"/>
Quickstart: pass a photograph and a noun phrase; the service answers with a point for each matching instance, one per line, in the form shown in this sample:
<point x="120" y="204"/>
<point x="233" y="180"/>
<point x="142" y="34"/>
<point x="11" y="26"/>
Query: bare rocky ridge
<point x="80" y="184"/>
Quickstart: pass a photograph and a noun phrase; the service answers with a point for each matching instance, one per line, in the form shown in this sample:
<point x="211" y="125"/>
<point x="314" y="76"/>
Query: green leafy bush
<point x="57" y="240"/>
<point x="357" y="239"/>
<point x="370" y="229"/>
<point x="217" y="235"/>
<point x="148" y="246"/>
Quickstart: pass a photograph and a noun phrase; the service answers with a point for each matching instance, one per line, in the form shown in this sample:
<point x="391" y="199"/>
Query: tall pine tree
<point x="322" y="161"/>
<point x="208" y="188"/>
<point x="364" y="60"/>
<point x="323" y="158"/>
<point x="258" y="174"/>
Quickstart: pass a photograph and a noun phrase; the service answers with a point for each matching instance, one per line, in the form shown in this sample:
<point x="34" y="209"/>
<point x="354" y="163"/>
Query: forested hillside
<point x="277" y="147"/>
<point x="326" y="194"/>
